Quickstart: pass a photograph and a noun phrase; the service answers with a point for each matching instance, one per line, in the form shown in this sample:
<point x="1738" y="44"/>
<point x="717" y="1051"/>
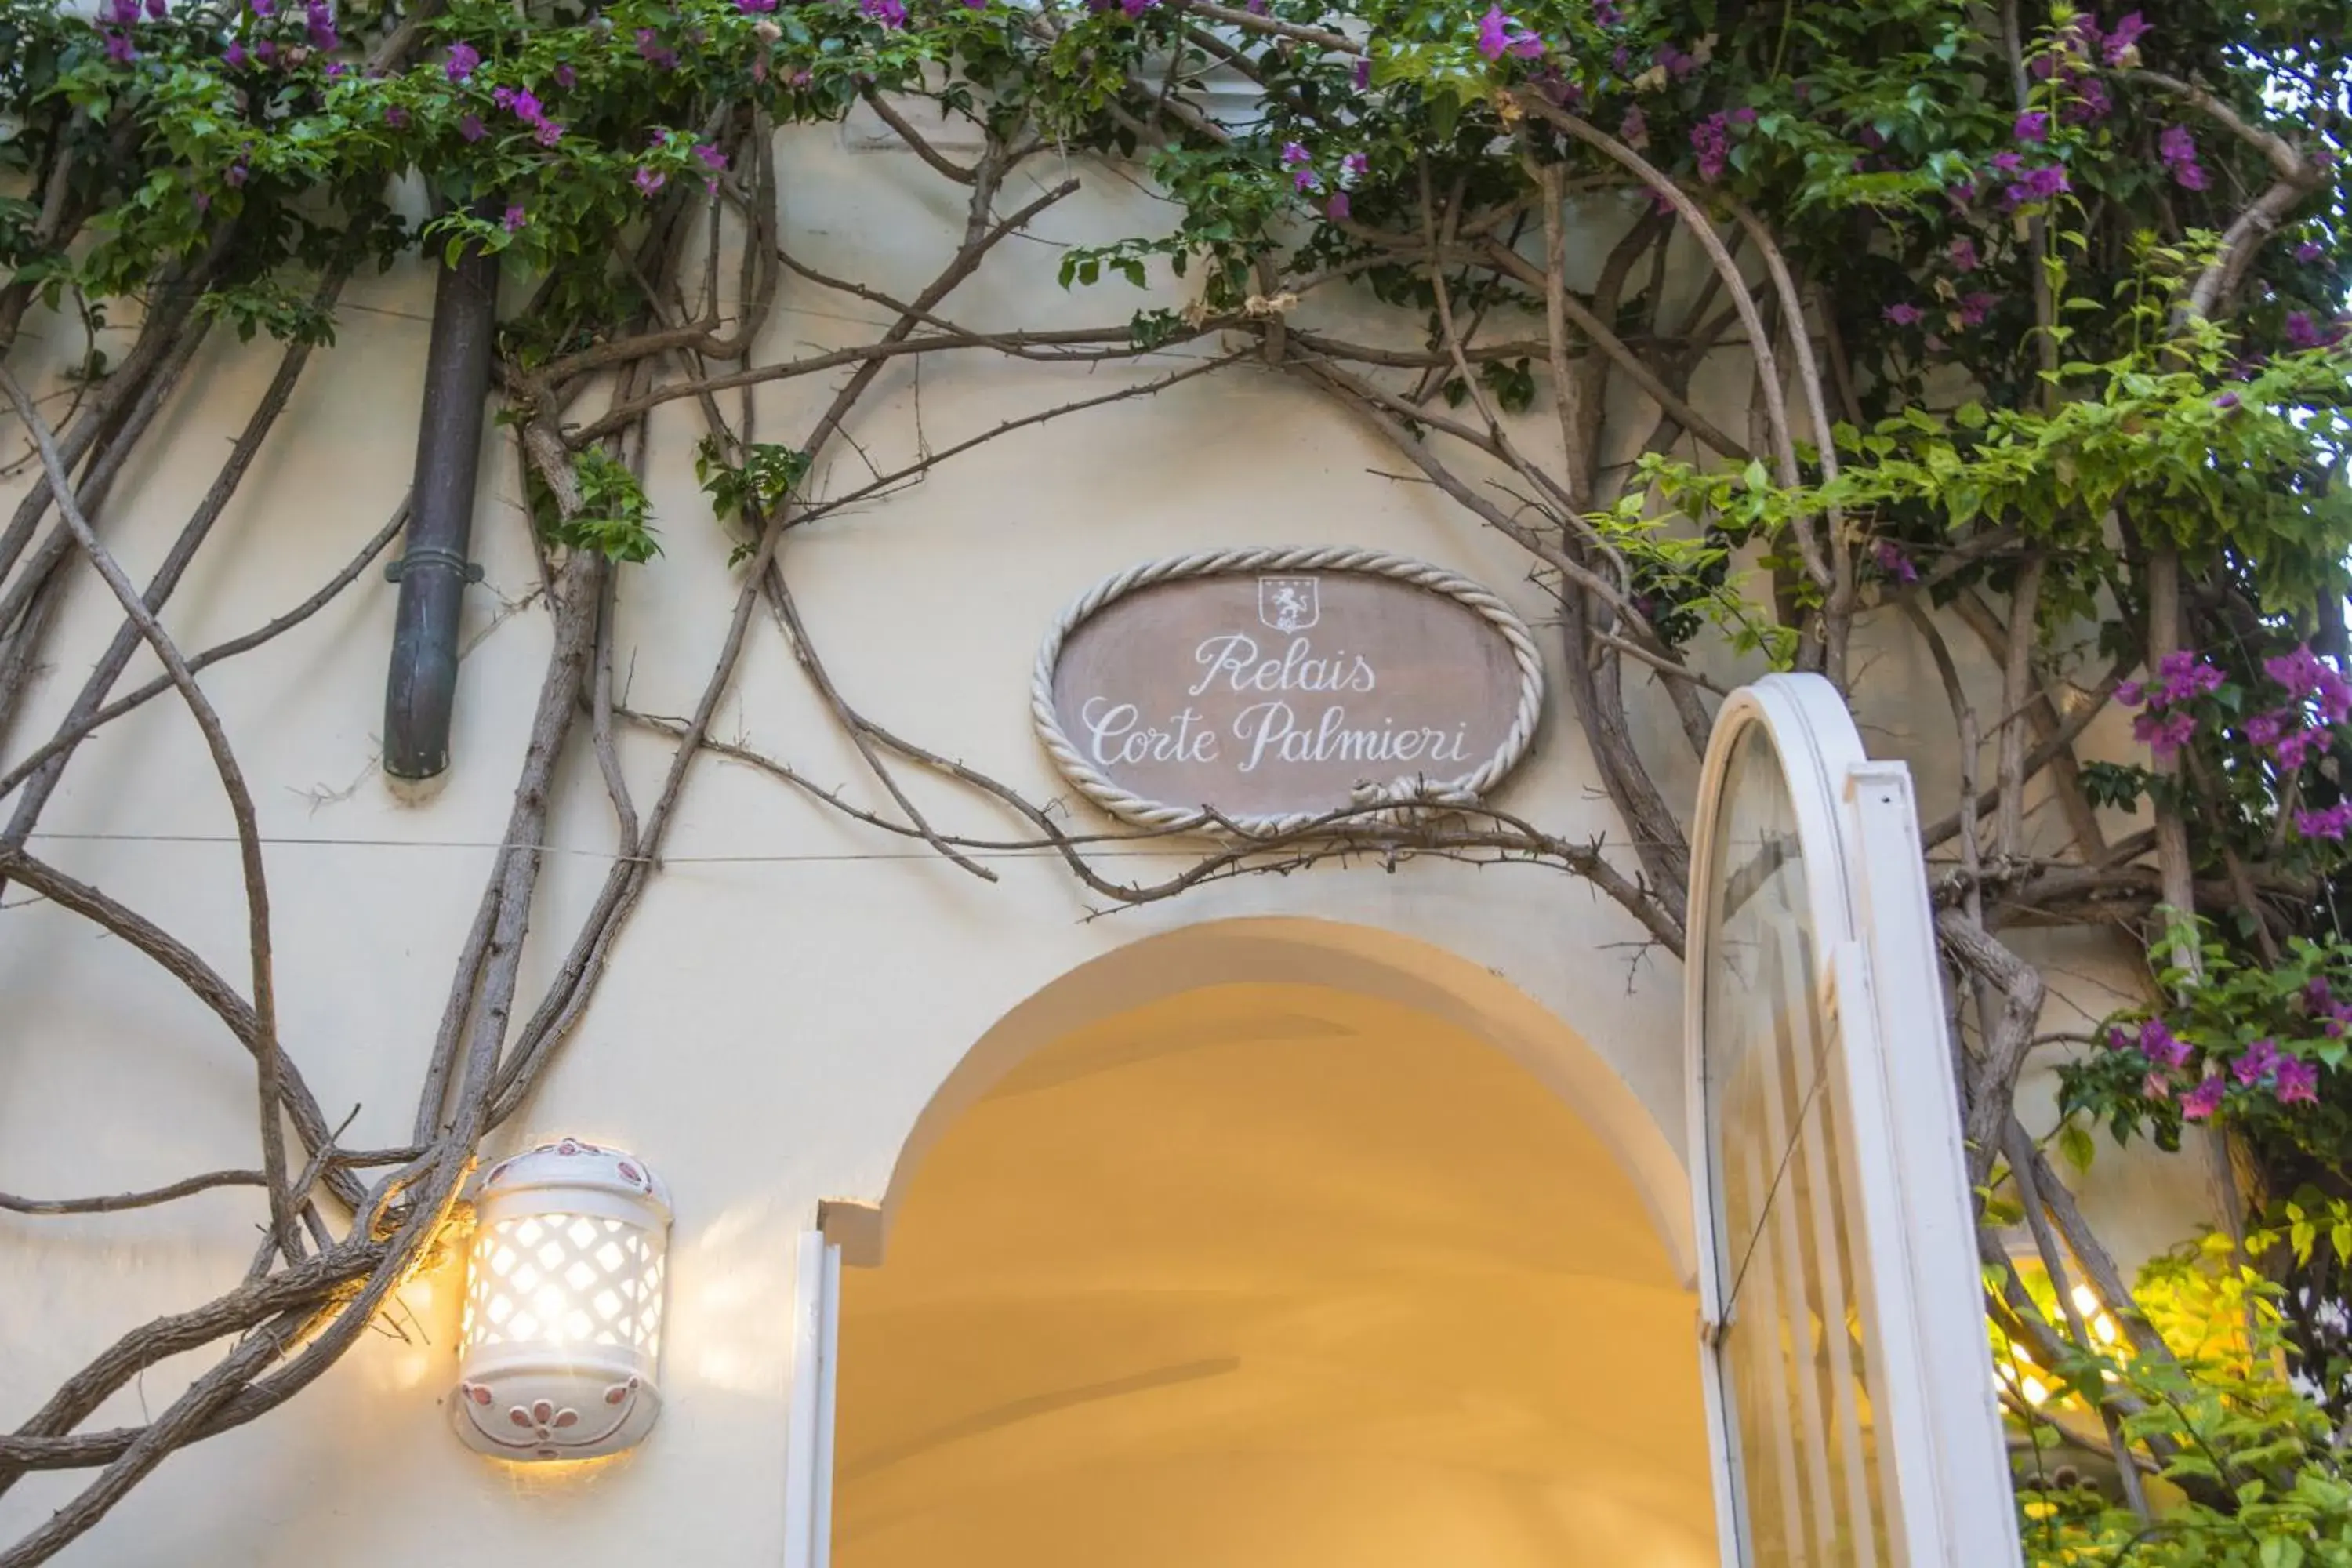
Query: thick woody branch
<point x="233" y="786"/>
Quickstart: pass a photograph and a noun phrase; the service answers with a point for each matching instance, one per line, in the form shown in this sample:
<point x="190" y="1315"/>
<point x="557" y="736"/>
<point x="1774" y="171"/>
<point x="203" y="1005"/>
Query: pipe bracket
<point x="432" y="555"/>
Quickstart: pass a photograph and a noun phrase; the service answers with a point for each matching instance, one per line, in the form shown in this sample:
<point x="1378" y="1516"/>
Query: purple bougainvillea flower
<point x="462" y="61"/>
<point x="2203" y="1100"/>
<point x="548" y="132"/>
<point x="234" y="176"/>
<point x="889" y="13"/>
<point x="2164" y="733"/>
<point x="2125" y="38"/>
<point x="319" y="19"/>
<point x="662" y="58"/>
<point x="2309" y="251"/>
<point x="1363" y="73"/>
<point x="2031" y="126"/>
<point x="158" y="10"/>
<point x="2008" y="163"/>
<point x="1634" y="128"/>
<point x="2228" y="400"/>
<point x="1355" y="166"/>
<point x="712" y="158"/>
<point x="1304" y="180"/>
<point x="119" y="48"/>
<point x="1894" y="562"/>
<point x="396" y="117"/>
<point x="1976" y="307"/>
<point x="2090" y="102"/>
<point x="2264" y="730"/>
<point x="2294" y="748"/>
<point x="1963" y="252"/>
<point x="2178" y="147"/>
<point x="262" y="8"/>
<point x="2159" y="1044"/>
<point x="2131" y="694"/>
<point x="2297" y="671"/>
<point x="1711" y="140"/>
<point x="2155" y="1086"/>
<point x="123" y="12"/>
<point x="515" y="218"/>
<point x="232" y="56"/>
<point x="1293" y="154"/>
<point x="565" y="76"/>
<point x="2301" y="331"/>
<point x="1338" y="208"/>
<point x="471" y="128"/>
<point x="2298" y="1081"/>
<point x="1137" y="7"/>
<point x="649" y="179"/>
<point x="1904" y="315"/>
<point x="1606" y="13"/>
<point x="2261" y="1060"/>
<point x="1494" y="34"/>
<point x="1500" y="35"/>
<point x="2330" y="822"/>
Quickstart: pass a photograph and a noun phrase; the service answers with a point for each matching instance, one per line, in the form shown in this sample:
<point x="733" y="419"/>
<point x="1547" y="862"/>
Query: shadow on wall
<point x="1194" y="1266"/>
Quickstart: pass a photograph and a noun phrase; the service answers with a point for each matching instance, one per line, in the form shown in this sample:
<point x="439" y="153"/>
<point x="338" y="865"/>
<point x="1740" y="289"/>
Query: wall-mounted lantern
<point x="563" y="1305"/>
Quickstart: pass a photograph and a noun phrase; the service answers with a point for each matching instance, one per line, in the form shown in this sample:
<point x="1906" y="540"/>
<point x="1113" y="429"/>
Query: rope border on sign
<point x="1405" y="794"/>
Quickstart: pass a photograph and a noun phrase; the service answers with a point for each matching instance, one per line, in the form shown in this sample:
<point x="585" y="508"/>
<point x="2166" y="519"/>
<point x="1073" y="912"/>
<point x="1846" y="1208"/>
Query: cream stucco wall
<point x="794" y="988"/>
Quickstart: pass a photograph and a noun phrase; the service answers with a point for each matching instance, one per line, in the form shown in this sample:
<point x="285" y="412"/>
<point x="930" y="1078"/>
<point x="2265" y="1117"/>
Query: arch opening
<point x="1266" y="1271"/>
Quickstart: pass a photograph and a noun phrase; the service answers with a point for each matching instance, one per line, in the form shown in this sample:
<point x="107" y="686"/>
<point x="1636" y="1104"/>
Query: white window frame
<point x="1874" y="947"/>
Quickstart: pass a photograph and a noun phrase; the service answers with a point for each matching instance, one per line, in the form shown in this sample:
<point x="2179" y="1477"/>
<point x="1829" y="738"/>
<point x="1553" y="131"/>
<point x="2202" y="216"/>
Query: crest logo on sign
<point x="1288" y="604"/>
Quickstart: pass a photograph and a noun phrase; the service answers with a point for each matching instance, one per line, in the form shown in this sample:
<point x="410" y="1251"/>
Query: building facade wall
<point x="794" y="987"/>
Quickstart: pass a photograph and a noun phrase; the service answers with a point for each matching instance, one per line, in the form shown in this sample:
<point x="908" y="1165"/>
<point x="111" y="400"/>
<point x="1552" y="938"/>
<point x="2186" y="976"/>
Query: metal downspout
<point x="434" y="570"/>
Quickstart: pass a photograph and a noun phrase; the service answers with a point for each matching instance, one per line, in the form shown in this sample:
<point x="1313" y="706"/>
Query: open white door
<point x="1849" y="1386"/>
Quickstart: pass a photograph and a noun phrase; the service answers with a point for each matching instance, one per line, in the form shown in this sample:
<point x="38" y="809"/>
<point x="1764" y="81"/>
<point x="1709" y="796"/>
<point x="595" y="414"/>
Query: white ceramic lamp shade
<point x="563" y="1305"/>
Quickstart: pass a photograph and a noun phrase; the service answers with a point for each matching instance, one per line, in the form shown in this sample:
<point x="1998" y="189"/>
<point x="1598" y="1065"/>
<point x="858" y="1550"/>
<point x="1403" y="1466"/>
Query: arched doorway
<point x="1256" y="1270"/>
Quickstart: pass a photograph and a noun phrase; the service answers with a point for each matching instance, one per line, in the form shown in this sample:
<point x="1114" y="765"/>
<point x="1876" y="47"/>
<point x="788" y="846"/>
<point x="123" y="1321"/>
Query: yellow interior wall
<point x="1269" y="1275"/>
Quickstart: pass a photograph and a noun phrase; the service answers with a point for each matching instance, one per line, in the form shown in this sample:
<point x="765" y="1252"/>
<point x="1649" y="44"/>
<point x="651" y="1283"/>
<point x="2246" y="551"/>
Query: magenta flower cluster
<point x="525" y="106"/>
<point x="2040" y="182"/>
<point x="2166" y="725"/>
<point x="1500" y="35"/>
<point x="2261" y="1065"/>
<point x="2178" y="147"/>
<point x="1710" y="139"/>
<point x="1894" y="562"/>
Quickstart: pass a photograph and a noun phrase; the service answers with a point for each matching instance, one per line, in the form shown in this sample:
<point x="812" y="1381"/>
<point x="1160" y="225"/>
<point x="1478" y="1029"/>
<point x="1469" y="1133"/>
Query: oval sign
<point x="1272" y="688"/>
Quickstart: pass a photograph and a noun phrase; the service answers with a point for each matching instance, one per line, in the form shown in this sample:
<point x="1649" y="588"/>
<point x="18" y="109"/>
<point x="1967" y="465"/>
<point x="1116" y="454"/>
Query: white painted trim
<point x="1874" y="941"/>
<point x="809" y="1411"/>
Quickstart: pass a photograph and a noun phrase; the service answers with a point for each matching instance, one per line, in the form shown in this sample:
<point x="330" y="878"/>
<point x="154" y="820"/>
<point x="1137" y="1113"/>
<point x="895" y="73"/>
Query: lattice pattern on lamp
<point x="565" y="1280"/>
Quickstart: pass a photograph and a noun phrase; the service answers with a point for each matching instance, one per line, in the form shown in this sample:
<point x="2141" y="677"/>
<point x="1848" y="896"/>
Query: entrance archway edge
<point x="1363" y="960"/>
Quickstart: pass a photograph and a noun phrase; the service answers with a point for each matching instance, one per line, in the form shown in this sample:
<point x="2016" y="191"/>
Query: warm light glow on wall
<point x="562" y="1324"/>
